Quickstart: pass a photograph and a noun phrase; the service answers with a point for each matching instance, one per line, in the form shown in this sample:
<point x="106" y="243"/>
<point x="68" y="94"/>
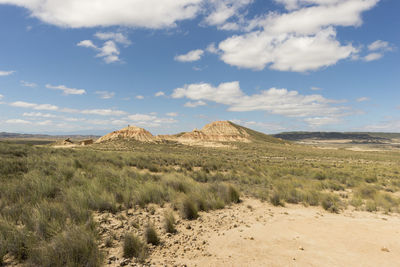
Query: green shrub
<point x="189" y="209"/>
<point x="133" y="246"/>
<point x="169" y="222"/>
<point x="370" y="206"/>
<point x="151" y="235"/>
<point x="331" y="203"/>
<point x="276" y="199"/>
<point x="74" y="247"/>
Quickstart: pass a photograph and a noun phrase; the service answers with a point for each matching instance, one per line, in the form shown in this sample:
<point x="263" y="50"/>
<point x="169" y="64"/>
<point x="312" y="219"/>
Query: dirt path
<point x="258" y="234"/>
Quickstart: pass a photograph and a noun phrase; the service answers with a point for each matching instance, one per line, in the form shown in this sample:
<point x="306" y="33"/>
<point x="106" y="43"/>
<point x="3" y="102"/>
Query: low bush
<point x="189" y="209"/>
<point x="133" y="247"/>
<point x="151" y="235"/>
<point x="169" y="222"/>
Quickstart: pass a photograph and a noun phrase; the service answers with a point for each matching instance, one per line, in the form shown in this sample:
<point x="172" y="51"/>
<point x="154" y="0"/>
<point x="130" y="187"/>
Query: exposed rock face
<point x="219" y="131"/>
<point x="130" y="132"/>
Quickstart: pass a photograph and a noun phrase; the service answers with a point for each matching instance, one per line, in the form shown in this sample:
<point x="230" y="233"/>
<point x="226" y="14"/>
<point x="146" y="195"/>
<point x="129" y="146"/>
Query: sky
<point x="94" y="66"/>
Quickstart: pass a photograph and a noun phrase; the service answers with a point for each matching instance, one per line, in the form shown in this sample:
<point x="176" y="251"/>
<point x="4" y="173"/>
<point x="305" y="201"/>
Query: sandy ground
<point x="257" y="234"/>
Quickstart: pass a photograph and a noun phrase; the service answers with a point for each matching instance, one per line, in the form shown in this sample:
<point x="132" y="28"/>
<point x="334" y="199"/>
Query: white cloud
<point x="22" y="104"/>
<point x="362" y="99"/>
<point x="1" y="96"/>
<point x="160" y="93"/>
<point x="172" y="114"/>
<point x="195" y="104"/>
<point x="378" y="49"/>
<point x="66" y="90"/>
<point x="104" y="112"/>
<point x="384" y="126"/>
<point x="193" y="55"/>
<point x="109" y="50"/>
<point x="140" y="97"/>
<point x="314" y="88"/>
<point x="44" y="123"/>
<point x="152" y="14"/>
<point x="262" y="125"/>
<point x="28" y="84"/>
<point x="18" y="121"/>
<point x="38" y="114"/>
<point x="286" y="52"/>
<point x="301" y="40"/>
<point x="373" y="57"/>
<point x="148" y="120"/>
<point x="105" y="94"/>
<point x="380" y="45"/>
<point x="6" y="73"/>
<point x="211" y="48"/>
<point x="223" y="10"/>
<point x="321" y="121"/>
<point x="87" y="43"/>
<point x="115" y="36"/>
<point x="275" y="101"/>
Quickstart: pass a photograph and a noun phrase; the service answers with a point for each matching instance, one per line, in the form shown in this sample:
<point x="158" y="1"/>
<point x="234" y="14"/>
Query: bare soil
<point x="254" y="233"/>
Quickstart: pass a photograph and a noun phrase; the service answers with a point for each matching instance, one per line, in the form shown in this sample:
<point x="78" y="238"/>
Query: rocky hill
<point x="218" y="131"/>
<point x="212" y="134"/>
<point x="130" y="132"/>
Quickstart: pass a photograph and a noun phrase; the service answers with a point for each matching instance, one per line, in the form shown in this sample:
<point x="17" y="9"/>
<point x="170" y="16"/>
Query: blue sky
<point x="93" y="66"/>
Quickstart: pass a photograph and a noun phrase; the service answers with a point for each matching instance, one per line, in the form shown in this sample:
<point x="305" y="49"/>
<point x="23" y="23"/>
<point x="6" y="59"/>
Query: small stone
<point x="301" y="248"/>
<point x="385" y="249"/>
<point x="125" y="262"/>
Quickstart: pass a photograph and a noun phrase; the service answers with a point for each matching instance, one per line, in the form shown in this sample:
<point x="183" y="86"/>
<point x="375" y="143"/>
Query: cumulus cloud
<point x="6" y="73"/>
<point x="362" y="99"/>
<point x="380" y="45"/>
<point x="28" y="84"/>
<point x="223" y="10"/>
<point x="103" y="112"/>
<point x="270" y="127"/>
<point x="18" y="121"/>
<point x="87" y="43"/>
<point x="377" y="50"/>
<point x="275" y="101"/>
<point x="314" y="88"/>
<point x="22" y="104"/>
<point x="160" y="93"/>
<point x="195" y="104"/>
<point x="153" y="14"/>
<point x="149" y="120"/>
<point x="321" y="121"/>
<point x="1" y="96"/>
<point x="66" y="90"/>
<point x="302" y="39"/>
<point x="105" y="94"/>
<point x="140" y="97"/>
<point x="115" y="36"/>
<point x="38" y="114"/>
<point x="172" y="114"/>
<point x="373" y="57"/>
<point x="191" y="56"/>
<point x="109" y="50"/>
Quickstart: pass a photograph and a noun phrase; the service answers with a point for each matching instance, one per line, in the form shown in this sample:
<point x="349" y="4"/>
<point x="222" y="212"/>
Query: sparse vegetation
<point x="48" y="196"/>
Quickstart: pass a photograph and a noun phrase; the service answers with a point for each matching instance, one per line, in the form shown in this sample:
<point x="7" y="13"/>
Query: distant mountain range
<point x="4" y="135"/>
<point x="364" y="136"/>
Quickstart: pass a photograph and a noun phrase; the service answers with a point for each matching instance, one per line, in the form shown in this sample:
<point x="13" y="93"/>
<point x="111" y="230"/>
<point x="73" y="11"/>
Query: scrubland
<point x="49" y="197"/>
